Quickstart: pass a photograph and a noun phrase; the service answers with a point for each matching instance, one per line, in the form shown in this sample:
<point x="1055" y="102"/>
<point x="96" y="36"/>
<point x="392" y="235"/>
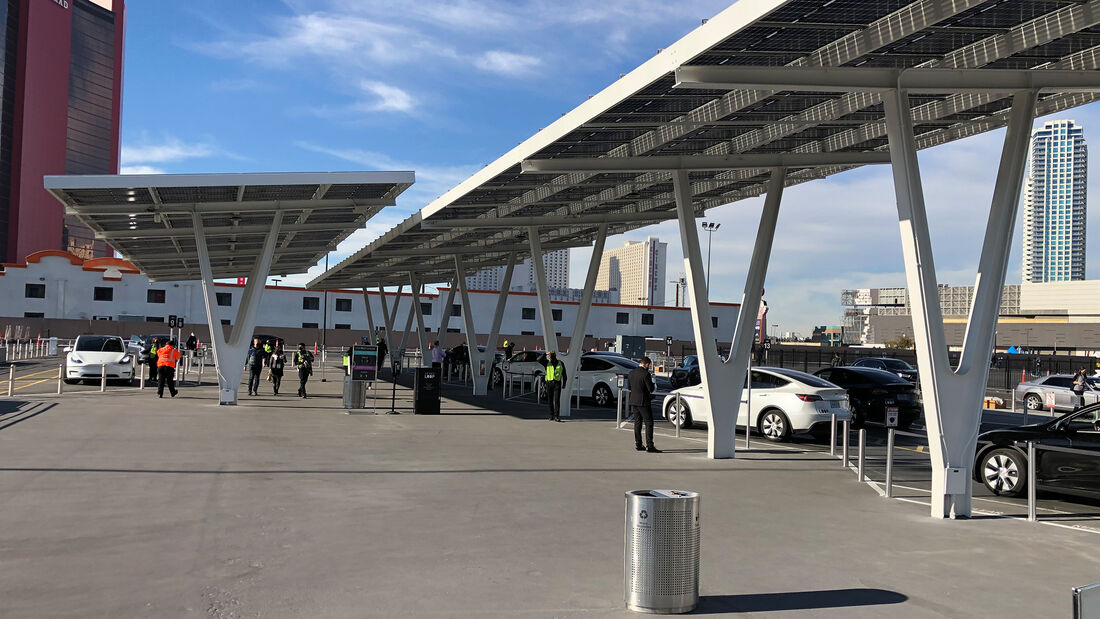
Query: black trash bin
<point x="426" y="387"/>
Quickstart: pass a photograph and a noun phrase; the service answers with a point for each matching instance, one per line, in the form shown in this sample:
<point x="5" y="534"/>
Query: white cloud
<point x="506" y="63"/>
<point x="139" y="169"/>
<point x="386" y="98"/>
<point x="171" y="149"/>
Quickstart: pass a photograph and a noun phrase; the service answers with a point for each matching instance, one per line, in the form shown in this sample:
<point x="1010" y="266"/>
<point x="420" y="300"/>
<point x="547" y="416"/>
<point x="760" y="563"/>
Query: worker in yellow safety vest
<point x="167" y="359"/>
<point x="554" y="378"/>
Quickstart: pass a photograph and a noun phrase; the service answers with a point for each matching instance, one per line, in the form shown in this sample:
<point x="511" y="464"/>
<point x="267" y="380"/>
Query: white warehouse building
<point x="58" y="285"/>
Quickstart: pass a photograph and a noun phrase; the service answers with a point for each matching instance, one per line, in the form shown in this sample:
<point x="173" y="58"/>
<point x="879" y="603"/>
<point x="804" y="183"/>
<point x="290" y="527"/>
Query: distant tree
<point x="900" y="342"/>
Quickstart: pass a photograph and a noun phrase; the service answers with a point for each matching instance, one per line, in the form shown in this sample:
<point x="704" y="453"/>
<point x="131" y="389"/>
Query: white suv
<point x="91" y="356"/>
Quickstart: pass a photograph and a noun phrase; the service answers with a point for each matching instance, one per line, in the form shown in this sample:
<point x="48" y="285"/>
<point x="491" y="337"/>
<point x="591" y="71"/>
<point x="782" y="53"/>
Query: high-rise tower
<point x="1054" y="204"/>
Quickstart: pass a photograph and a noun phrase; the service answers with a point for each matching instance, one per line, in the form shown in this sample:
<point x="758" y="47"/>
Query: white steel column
<point x="370" y="316"/>
<point x="414" y="282"/>
<point x="952" y="398"/>
<point x="389" y="317"/>
<point x="549" y="336"/>
<point x="723" y="380"/>
<point x="481" y="382"/>
<point x="576" y="343"/>
<point x="229" y="355"/>
<point x="445" y="319"/>
<point x="408" y="327"/>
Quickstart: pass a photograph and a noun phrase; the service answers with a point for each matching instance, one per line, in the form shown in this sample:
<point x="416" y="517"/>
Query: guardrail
<point x="1033" y="449"/>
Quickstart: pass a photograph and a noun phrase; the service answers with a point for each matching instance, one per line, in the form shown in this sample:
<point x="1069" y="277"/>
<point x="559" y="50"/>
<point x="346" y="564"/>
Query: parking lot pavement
<point x="122" y="505"/>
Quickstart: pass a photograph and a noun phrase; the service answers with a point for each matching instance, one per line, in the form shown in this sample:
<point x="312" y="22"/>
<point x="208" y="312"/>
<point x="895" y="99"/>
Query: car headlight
<point x="125" y="359"/>
<point x="75" y="360"/>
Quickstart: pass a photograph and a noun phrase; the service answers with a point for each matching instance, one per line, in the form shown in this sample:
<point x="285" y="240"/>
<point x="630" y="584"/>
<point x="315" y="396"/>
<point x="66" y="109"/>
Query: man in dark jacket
<point x="255" y="365"/>
<point x="641" y="398"/>
<point x="553" y="379"/>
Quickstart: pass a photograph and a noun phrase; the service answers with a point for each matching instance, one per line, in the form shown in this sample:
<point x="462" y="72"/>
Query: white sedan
<point x="93" y="355"/>
<point x="783" y="402"/>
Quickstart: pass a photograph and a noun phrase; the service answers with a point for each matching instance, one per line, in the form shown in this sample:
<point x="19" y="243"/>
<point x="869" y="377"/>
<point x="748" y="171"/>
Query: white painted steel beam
<point x="481" y="363"/>
<point x="370" y="317"/>
<point x="865" y="79"/>
<point x="572" y="360"/>
<point x="445" y="317"/>
<point x="549" y="335"/>
<point x="389" y="317"/>
<point x="187" y="233"/>
<point x="229" y="355"/>
<point x="414" y="283"/>
<point x="214" y="208"/>
<point x="470" y="250"/>
<point x="952" y="397"/>
<point x="703" y="162"/>
<point x="557" y="220"/>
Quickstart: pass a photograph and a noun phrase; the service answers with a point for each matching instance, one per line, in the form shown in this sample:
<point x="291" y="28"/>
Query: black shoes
<point x="639" y="448"/>
<point x="174" y="393"/>
<point x="653" y="450"/>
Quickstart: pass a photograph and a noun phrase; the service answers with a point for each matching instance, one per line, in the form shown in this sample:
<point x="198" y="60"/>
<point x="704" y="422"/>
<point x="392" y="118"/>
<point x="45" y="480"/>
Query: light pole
<point x="709" y="227"/>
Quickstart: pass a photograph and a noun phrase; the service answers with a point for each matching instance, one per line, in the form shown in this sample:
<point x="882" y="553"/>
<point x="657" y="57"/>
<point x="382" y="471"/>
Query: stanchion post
<point x="141" y="378"/>
<point x="202" y="362"/>
<point x="11" y="380"/>
<point x="889" y="463"/>
<point x="102" y="377"/>
<point x="862" y="448"/>
<point x="60" y="377"/>
<point x="832" y="436"/>
<point x="680" y="411"/>
<point x="1031" y="481"/>
<point x="844" y="443"/>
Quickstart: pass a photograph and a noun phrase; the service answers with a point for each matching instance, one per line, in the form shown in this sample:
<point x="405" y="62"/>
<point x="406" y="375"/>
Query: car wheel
<point x="1004" y="472"/>
<point x="678" y="415"/>
<point x="774" y="426"/>
<point x="1033" y="402"/>
<point x="498" y="377"/>
<point x="602" y="395"/>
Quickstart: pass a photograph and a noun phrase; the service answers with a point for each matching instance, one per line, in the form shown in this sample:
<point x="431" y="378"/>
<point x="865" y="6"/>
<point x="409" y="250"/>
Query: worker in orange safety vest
<point x="167" y="359"/>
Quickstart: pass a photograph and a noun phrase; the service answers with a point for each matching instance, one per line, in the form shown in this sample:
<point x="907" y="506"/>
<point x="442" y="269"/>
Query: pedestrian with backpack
<point x="303" y="361"/>
<point x="276" y="365"/>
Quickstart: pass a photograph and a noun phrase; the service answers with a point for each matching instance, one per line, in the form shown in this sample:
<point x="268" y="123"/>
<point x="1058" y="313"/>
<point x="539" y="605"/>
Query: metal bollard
<point x="679" y="407"/>
<point x="202" y="362"/>
<point x="1031" y="482"/>
<point x="11" y="380"/>
<point x="862" y="448"/>
<point x="889" y="463"/>
<point x="844" y="451"/>
<point x="832" y="436"/>
<point x="60" y="377"/>
<point x="102" y="377"/>
<point x="141" y="379"/>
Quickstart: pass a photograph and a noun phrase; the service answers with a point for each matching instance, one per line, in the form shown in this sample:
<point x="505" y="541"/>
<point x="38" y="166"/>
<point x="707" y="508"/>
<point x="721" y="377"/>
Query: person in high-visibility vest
<point x="508" y="348"/>
<point x="554" y="378"/>
<point x="151" y="358"/>
<point x="167" y="358"/>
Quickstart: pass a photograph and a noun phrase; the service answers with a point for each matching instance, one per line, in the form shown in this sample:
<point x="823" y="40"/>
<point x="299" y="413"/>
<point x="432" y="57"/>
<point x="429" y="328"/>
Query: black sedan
<point x="871" y="392"/>
<point x="686" y="373"/>
<point x="894" y="366"/>
<point x="1001" y="461"/>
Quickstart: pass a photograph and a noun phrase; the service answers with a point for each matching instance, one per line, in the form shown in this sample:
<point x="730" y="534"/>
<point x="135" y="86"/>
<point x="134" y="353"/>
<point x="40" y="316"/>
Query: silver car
<point x="1033" y="393"/>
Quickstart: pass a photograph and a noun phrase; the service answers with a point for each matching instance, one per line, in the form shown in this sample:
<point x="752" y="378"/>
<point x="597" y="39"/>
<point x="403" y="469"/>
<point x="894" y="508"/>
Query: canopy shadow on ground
<point x="796" y="600"/>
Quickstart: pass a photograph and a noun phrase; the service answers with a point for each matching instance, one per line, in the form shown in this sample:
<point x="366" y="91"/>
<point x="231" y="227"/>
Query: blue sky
<point x="443" y="88"/>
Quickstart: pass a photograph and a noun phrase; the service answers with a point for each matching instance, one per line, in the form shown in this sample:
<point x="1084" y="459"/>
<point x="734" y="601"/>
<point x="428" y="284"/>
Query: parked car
<point x="599" y="377"/>
<point x="525" y="362"/>
<point x="1001" y="459"/>
<point x="686" y="373"/>
<point x="784" y="402"/>
<point x="894" y="366"/>
<point x="92" y="356"/>
<point x="1033" y="393"/>
<point x="871" y="391"/>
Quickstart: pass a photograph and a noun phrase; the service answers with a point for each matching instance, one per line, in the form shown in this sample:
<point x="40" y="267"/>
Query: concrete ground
<point x="124" y="505"/>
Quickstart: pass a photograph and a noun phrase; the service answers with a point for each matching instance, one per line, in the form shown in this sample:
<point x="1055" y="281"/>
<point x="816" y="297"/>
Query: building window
<point x="341" y="326"/>
<point x="225" y="299"/>
<point x="622" y="318"/>
<point x="528" y="313"/>
<point x="453" y="331"/>
<point x="647" y="319"/>
<point x="714" y="322"/>
<point x="343" y="305"/>
<point x="33" y="315"/>
<point x="309" y="325"/>
<point x="557" y="314"/>
<point x="426" y="309"/>
<point x="103" y="293"/>
<point x="35" y="291"/>
<point x="526" y="332"/>
<point x="154" y="319"/>
<point x="311" y="303"/>
<point x="456" y="310"/>
<point x="226" y="322"/>
<point x="154" y="296"/>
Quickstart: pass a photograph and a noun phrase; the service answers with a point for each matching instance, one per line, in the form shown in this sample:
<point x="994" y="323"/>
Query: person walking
<point x="553" y="379"/>
<point x="255" y="366"/>
<point x="641" y="399"/>
<point x="303" y="361"/>
<point x="382" y="349"/>
<point x="1080" y="381"/>
<point x="151" y="358"/>
<point x="167" y="359"/>
<point x="437" y="355"/>
<point x="276" y="364"/>
<point x="509" y="348"/>
<point x="192" y="342"/>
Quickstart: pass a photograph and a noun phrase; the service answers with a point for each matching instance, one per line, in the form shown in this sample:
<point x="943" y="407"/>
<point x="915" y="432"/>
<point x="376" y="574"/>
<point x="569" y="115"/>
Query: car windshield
<point x="881" y="377"/>
<point x="691" y="360"/>
<point x="802" y="377"/>
<point x="897" y="364"/>
<point x="99" y="344"/>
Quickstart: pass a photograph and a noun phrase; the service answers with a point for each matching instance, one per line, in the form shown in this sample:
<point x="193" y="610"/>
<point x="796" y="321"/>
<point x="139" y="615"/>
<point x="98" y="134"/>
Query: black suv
<point x="686" y="373"/>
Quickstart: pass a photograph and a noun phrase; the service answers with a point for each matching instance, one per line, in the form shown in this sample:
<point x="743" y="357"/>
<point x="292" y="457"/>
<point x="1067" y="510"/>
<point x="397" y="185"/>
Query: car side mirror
<point x="1096" y="426"/>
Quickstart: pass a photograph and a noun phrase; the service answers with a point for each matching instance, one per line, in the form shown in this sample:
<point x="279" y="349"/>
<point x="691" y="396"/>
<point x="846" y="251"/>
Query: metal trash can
<point x="426" y="391"/>
<point x="355" y="393"/>
<point x="662" y="551"/>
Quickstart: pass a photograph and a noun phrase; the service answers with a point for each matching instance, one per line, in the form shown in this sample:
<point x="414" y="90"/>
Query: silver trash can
<point x="662" y="551"/>
<point x="355" y="393"/>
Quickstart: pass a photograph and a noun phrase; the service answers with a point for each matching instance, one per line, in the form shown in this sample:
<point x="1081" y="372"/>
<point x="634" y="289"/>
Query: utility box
<point x="631" y="346"/>
<point x="426" y="391"/>
<point x="662" y="551"/>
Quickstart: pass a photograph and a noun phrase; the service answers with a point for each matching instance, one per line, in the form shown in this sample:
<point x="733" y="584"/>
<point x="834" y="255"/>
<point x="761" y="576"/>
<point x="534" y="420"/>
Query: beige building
<point x="636" y="271"/>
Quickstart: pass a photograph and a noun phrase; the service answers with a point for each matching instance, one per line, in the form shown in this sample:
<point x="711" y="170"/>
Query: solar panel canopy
<point x="150" y="219"/>
<point x="646" y="114"/>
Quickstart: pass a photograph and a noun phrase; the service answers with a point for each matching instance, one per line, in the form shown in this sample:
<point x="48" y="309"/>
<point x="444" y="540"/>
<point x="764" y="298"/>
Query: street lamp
<point x="709" y="227"/>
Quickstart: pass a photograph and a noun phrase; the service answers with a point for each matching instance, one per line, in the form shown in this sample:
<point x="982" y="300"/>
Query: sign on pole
<point x="1050" y="401"/>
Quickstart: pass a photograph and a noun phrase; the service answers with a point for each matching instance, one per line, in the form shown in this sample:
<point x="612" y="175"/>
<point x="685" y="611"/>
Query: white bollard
<point x="60" y="377"/>
<point x="102" y="377"/>
<point x="11" y="380"/>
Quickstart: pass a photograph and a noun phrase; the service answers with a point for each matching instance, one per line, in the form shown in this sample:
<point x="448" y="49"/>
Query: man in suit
<point x="641" y="397"/>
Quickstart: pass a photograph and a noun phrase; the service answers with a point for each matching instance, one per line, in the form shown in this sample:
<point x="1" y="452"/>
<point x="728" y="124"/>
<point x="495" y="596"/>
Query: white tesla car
<point x="92" y="355"/>
<point x="784" y="402"/>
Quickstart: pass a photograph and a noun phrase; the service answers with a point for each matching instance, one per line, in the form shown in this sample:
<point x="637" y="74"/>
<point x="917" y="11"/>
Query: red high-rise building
<point x="60" y="107"/>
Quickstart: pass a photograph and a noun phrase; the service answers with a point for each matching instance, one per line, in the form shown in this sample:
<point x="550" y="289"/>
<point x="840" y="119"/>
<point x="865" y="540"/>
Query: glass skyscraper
<point x="1054" y="204"/>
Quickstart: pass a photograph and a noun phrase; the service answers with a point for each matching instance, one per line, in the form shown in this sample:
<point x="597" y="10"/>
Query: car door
<point x="592" y="371"/>
<point x="763" y="386"/>
<point x="1079" y="472"/>
<point x="1061" y="386"/>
